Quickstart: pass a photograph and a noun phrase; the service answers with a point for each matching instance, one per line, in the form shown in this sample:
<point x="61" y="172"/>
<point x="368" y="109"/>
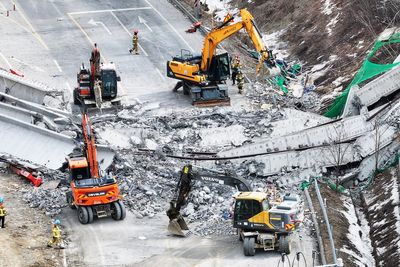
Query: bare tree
<point x="337" y="149"/>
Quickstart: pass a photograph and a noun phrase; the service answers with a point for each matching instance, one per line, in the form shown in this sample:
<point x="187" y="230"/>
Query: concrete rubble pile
<point x="50" y="201"/>
<point x="276" y="145"/>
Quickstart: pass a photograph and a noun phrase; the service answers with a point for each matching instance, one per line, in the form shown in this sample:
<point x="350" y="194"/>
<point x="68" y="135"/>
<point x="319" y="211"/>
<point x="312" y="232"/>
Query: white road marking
<point x="98" y="245"/>
<point x="58" y="66"/>
<point x="129" y="33"/>
<point x="95" y="23"/>
<point x="64" y="259"/>
<point x="109" y="10"/>
<point x="5" y="60"/>
<point x="172" y="27"/>
<point x="26" y="64"/>
<point x="33" y="31"/>
<point x="1" y="4"/>
<point x="159" y="72"/>
<point x="143" y="21"/>
<point x="68" y="86"/>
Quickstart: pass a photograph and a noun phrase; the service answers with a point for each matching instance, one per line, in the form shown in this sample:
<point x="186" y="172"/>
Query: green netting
<point x="329" y="182"/>
<point x="371" y="178"/>
<point x="280" y="81"/>
<point x="368" y="70"/>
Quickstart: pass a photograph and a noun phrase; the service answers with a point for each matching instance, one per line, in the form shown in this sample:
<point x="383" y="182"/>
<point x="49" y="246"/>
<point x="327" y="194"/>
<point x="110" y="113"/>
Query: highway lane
<point x="146" y="242"/>
<point x="69" y="28"/>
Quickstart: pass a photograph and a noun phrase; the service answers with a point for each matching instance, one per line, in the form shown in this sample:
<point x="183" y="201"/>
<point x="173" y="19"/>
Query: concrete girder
<point x="321" y="157"/>
<point x="24" y="88"/>
<point x="335" y="132"/>
<point x="41" y="146"/>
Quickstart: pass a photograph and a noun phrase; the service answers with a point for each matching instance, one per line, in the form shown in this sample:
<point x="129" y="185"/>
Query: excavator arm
<point x="222" y="32"/>
<point x="90" y="146"/>
<point x="177" y="224"/>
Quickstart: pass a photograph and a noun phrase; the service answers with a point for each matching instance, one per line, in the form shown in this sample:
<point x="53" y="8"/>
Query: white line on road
<point x="95" y="23"/>
<point x="58" y="66"/>
<point x="4" y="8"/>
<point x="64" y="259"/>
<point x="159" y="72"/>
<point x="129" y="33"/>
<point x="68" y="86"/>
<point x="143" y="21"/>
<point x="109" y="10"/>
<point x="5" y="60"/>
<point x="172" y="27"/>
<point x="34" y="33"/>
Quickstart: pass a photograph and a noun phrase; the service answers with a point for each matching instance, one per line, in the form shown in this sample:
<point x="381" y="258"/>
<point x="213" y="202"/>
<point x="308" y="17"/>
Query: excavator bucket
<point x="178" y="227"/>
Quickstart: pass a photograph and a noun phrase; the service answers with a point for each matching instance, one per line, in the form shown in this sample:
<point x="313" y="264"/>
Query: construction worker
<point x="56" y="235"/>
<point x="240" y="81"/>
<point x="3" y="212"/>
<point x="235" y="68"/>
<point x="95" y="60"/>
<point x="135" y="40"/>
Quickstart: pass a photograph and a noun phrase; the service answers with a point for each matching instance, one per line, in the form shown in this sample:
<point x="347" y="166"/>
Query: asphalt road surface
<point x="54" y="37"/>
<point x="146" y="242"/>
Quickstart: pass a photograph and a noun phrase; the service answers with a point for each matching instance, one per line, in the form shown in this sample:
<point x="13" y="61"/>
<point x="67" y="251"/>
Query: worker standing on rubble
<point x="240" y="81"/>
<point x="3" y="212"/>
<point x="235" y="68"/>
<point x="56" y="235"/>
<point x="135" y="41"/>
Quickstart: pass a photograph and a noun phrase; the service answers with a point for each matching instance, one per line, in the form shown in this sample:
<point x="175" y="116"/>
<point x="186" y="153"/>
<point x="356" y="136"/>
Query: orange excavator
<point x="93" y="194"/>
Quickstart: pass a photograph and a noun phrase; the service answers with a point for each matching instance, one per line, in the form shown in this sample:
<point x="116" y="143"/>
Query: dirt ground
<point x="23" y="242"/>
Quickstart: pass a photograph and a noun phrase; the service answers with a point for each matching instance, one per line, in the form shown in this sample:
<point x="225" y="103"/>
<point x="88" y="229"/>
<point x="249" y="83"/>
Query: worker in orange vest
<point x="3" y="212"/>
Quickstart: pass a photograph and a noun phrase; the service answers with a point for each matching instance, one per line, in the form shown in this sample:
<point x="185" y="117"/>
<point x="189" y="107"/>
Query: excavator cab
<point x="220" y="68"/>
<point x="109" y="81"/>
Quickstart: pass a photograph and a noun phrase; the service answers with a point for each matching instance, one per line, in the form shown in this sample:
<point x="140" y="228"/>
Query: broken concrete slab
<point x="24" y="88"/>
<point x="49" y="112"/>
<point x="231" y="135"/>
<point x="336" y="132"/>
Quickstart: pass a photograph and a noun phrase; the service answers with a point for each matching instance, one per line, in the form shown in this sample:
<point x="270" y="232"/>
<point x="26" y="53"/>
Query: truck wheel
<point x="245" y="246"/>
<point x="251" y="249"/>
<point x="123" y="210"/>
<point x="116" y="211"/>
<point x="83" y="215"/>
<point x="90" y="214"/>
<point x="284" y="244"/>
<point x="70" y="200"/>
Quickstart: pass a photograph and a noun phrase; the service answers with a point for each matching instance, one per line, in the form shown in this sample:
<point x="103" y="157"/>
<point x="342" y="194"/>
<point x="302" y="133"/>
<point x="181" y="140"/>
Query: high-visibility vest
<point x="56" y="232"/>
<point x="2" y="211"/>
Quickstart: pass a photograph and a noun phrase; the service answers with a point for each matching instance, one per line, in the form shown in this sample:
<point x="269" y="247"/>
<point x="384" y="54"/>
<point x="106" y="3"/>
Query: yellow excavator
<point x="260" y="222"/>
<point x="204" y="77"/>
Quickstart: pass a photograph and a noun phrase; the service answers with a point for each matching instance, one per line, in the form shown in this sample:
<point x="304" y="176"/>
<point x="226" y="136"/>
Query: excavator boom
<point x="203" y="78"/>
<point x="177" y="225"/>
<point x="90" y="146"/>
<point x="225" y="31"/>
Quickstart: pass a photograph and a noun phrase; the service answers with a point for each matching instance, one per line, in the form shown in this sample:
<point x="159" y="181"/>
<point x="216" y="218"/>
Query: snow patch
<point x="217" y="4"/>
<point x="332" y="24"/>
<point x="358" y="235"/>
<point x="274" y="42"/>
<point x="327" y="7"/>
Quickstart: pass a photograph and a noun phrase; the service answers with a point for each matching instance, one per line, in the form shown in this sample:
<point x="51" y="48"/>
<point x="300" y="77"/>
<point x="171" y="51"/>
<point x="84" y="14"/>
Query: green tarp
<point x="368" y="70"/>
